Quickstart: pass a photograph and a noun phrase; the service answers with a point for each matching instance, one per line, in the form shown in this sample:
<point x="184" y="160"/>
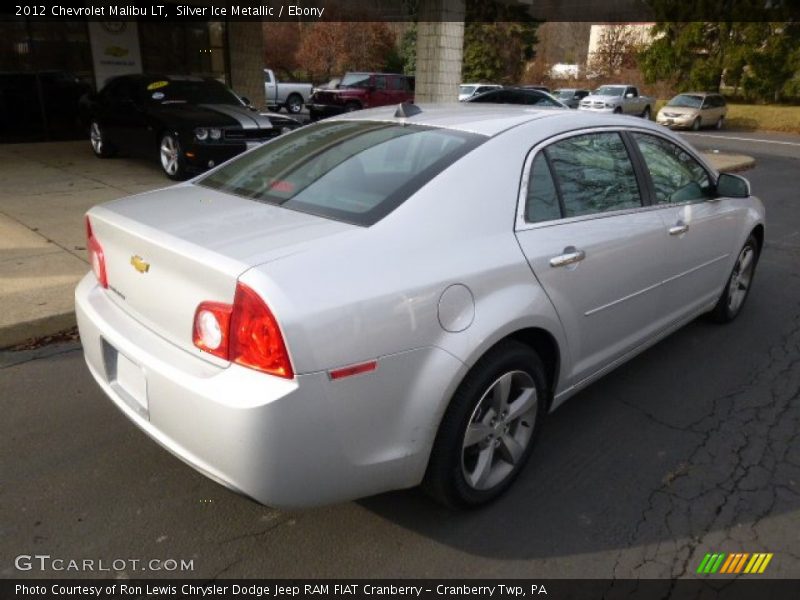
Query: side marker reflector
<point x="353" y="370"/>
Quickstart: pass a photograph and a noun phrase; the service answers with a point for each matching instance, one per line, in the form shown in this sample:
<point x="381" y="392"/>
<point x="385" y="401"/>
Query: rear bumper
<point x="284" y="443"/>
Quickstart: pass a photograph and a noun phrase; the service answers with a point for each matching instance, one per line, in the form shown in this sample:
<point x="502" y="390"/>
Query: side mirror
<point x="733" y="186"/>
<point x="246" y="100"/>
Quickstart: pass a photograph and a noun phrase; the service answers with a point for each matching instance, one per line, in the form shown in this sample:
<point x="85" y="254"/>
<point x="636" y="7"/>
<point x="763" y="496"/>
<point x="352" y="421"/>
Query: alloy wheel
<point x="499" y="430"/>
<point x="96" y="138"/>
<point x="294" y="105"/>
<point x="740" y="279"/>
<point x="169" y="155"/>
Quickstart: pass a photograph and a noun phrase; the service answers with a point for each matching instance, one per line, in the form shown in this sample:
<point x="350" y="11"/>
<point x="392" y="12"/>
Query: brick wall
<point x="246" y="48"/>
<point x="440" y="41"/>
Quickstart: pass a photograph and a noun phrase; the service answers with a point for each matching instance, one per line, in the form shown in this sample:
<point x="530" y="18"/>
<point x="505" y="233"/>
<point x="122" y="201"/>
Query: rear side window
<point x="542" y="202"/>
<point x="593" y="174"/>
<point x="353" y="171"/>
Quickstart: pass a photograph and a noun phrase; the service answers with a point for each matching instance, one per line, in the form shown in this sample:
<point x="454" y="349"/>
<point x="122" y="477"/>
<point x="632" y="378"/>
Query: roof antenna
<point x="407" y="109"/>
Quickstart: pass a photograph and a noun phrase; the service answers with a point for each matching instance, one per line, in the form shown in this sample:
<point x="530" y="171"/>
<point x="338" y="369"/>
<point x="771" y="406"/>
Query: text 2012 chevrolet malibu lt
<point x="393" y="298"/>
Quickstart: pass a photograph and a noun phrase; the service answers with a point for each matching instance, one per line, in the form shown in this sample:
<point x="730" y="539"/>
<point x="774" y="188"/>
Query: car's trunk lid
<point x="167" y="252"/>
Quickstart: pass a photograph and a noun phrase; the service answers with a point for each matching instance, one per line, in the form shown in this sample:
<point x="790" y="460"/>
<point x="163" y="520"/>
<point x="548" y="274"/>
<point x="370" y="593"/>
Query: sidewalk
<point x="44" y="191"/>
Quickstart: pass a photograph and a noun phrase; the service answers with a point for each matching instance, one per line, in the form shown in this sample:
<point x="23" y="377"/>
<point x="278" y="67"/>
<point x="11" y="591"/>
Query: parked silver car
<point x="694" y="110"/>
<point x="386" y="298"/>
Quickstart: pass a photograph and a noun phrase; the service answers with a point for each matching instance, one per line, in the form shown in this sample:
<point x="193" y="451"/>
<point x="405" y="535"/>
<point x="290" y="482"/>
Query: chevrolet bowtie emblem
<point x="139" y="264"/>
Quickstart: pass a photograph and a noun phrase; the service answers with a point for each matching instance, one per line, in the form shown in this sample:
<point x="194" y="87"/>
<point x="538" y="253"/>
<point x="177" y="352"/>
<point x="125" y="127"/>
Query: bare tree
<point x="616" y="50"/>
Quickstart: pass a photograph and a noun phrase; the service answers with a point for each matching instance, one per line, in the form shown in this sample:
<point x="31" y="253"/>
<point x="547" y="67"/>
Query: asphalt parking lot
<point x="692" y="447"/>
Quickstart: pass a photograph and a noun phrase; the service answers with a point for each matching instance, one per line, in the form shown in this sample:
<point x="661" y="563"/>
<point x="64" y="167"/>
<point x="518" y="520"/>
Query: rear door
<point x="701" y="230"/>
<point x="593" y="245"/>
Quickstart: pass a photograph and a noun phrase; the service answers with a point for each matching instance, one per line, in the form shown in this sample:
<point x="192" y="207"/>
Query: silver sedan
<point x="394" y="298"/>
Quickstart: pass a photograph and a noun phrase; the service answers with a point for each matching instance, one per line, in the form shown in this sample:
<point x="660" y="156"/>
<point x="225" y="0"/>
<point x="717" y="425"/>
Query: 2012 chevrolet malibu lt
<point x="396" y="297"/>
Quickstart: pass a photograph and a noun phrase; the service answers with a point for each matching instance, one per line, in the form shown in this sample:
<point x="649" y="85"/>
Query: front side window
<point x="594" y="174"/>
<point x="676" y="175"/>
<point x="353" y="171"/>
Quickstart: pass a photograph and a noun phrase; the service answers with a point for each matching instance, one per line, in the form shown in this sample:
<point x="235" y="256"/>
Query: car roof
<point x="376" y="73"/>
<point x="493" y="119"/>
<point x="699" y="94"/>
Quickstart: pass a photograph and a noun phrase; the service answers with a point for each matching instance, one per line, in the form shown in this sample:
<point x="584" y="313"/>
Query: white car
<point x="468" y="90"/>
<point x="389" y="298"/>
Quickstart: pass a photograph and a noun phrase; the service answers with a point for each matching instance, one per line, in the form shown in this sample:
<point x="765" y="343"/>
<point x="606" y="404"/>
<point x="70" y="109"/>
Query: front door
<point x="700" y="229"/>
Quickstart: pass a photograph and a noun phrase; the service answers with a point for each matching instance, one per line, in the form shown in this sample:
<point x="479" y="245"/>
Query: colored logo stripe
<point x="735" y="563"/>
<point x="711" y="563"/>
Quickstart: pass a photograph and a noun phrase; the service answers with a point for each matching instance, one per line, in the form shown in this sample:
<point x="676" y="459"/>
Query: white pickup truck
<point x="291" y="96"/>
<point x="622" y="99"/>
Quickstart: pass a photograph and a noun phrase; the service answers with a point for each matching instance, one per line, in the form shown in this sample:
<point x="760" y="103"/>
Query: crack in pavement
<point x="747" y="455"/>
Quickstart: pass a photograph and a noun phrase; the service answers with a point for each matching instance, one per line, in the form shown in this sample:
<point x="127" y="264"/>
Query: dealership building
<point x="46" y="66"/>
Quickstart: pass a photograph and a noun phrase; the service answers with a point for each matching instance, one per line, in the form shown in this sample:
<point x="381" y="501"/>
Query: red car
<point x="361" y="90"/>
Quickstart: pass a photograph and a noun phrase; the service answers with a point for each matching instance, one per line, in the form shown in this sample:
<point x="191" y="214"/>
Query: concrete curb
<point x="17" y="333"/>
<point x="729" y="163"/>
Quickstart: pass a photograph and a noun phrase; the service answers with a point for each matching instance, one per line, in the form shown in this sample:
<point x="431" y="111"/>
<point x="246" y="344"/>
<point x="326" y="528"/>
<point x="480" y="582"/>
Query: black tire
<point x="174" y="170"/>
<point x="646" y="113"/>
<point x="696" y="124"/>
<point x="739" y="282"/>
<point x="294" y="104"/>
<point x="446" y="479"/>
<point x="101" y="147"/>
<point x="618" y="110"/>
<point x="352" y="106"/>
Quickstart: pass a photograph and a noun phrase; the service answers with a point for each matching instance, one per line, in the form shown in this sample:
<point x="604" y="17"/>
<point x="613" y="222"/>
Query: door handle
<point x="679" y="228"/>
<point x="571" y="256"/>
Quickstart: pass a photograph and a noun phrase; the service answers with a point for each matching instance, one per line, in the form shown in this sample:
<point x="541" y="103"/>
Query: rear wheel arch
<point x="758" y="233"/>
<point x="545" y="345"/>
<point x="539" y="339"/>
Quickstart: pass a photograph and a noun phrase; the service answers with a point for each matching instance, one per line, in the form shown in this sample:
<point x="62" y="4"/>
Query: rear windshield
<point x="353" y="171"/>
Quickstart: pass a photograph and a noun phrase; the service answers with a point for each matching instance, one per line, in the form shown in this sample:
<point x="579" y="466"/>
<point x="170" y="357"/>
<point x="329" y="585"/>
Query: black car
<point x="518" y="95"/>
<point x="189" y="123"/>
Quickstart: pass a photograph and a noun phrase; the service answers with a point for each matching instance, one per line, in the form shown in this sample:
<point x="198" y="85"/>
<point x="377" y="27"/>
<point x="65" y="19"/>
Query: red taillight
<point x="256" y="339"/>
<point x="245" y="333"/>
<point x="96" y="257"/>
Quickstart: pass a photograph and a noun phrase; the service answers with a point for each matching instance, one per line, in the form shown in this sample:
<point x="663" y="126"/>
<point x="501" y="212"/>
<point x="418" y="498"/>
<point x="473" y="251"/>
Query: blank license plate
<point x="131" y="379"/>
